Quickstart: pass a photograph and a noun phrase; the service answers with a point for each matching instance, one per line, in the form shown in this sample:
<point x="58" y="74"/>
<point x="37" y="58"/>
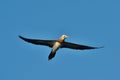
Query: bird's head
<point x="64" y="37"/>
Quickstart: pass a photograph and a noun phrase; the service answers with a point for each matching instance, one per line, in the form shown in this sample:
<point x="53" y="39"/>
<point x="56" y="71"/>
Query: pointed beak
<point x="66" y="36"/>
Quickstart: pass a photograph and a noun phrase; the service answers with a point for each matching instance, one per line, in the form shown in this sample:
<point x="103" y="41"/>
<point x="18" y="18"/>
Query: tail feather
<point x="51" y="55"/>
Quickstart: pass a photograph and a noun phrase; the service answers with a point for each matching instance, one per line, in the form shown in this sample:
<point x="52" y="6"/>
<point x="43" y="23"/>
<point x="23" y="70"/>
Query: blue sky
<point x="90" y="22"/>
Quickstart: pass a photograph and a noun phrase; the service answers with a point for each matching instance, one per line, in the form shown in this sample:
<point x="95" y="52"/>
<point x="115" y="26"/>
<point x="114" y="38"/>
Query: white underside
<point x="56" y="46"/>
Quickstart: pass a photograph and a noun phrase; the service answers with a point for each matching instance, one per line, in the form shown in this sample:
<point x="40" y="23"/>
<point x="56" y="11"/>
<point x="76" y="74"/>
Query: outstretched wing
<point x="76" y="46"/>
<point x="49" y="43"/>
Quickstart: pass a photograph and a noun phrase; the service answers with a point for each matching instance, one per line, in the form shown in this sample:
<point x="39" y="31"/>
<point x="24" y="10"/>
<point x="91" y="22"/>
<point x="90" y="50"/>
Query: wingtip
<point x="99" y="47"/>
<point x="19" y="36"/>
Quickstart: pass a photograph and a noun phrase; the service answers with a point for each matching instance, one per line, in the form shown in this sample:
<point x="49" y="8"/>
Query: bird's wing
<point x="76" y="46"/>
<point x="49" y="43"/>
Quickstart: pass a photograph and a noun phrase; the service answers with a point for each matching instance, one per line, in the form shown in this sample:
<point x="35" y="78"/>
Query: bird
<point x="57" y="44"/>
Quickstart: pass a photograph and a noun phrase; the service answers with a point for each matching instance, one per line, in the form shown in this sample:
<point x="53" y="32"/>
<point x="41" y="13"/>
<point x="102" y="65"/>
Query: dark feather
<point x="49" y="43"/>
<point x="51" y="55"/>
<point x="76" y="46"/>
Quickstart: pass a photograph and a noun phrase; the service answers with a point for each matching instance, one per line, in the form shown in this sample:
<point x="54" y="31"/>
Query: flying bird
<point x="56" y="44"/>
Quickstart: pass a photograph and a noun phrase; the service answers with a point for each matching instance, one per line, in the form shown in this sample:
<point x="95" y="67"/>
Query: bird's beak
<point x="66" y="36"/>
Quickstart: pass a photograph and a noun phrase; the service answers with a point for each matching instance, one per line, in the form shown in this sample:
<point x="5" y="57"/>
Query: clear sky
<point x="89" y="22"/>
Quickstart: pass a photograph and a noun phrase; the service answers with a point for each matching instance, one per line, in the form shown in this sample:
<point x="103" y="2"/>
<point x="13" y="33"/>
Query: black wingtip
<point x="98" y="47"/>
<point x="20" y="37"/>
<point x="25" y="39"/>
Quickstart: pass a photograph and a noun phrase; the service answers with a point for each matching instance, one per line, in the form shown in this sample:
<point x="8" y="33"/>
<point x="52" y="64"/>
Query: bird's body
<point x="55" y="47"/>
<point x="56" y="44"/>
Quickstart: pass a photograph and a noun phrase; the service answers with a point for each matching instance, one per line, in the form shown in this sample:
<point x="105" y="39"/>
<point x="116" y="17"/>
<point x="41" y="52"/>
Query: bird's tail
<point x="51" y="55"/>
